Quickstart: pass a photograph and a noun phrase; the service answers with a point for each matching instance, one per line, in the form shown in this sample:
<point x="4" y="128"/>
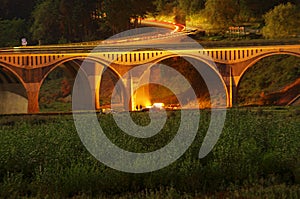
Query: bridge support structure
<point x="33" y="90"/>
<point x="32" y="68"/>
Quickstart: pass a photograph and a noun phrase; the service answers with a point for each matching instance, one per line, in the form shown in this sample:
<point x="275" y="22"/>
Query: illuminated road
<point x="164" y="24"/>
<point x="167" y="35"/>
<point x="166" y="31"/>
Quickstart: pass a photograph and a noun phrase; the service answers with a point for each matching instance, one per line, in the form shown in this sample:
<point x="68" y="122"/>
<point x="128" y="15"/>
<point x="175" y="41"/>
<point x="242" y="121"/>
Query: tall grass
<point x="256" y="155"/>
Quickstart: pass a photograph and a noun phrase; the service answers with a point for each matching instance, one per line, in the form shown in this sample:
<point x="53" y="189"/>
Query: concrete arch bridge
<point x="23" y="70"/>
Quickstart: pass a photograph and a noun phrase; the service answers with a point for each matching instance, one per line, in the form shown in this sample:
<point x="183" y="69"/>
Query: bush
<point x="282" y="21"/>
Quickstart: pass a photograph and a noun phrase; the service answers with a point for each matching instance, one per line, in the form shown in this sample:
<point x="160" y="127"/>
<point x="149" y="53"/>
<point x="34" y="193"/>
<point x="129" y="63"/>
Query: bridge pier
<point x="139" y="88"/>
<point x="95" y="80"/>
<point x="232" y="96"/>
<point x="236" y="73"/>
<point x="232" y="89"/>
<point x="33" y="90"/>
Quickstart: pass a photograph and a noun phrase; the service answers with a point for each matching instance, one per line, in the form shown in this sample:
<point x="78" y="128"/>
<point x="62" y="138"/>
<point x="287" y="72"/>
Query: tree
<point x="140" y="8"/>
<point x="65" y="21"/>
<point x="196" y="6"/>
<point x="16" y="9"/>
<point x="165" y="7"/>
<point x="119" y="12"/>
<point x="77" y="20"/>
<point x="282" y="21"/>
<point x="257" y="8"/>
<point x="11" y="32"/>
<point x="184" y="6"/>
<point x="220" y="14"/>
<point x="191" y="6"/>
<point x="47" y="22"/>
<point x="244" y="14"/>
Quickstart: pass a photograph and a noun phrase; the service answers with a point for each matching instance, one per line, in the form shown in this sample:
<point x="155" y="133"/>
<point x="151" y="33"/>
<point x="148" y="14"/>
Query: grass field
<point x="257" y="155"/>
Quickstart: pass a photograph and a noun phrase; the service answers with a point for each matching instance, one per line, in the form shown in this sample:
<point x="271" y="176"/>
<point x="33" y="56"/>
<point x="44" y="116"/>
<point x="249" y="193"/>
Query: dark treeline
<point x="64" y="21"/>
<point x="255" y="8"/>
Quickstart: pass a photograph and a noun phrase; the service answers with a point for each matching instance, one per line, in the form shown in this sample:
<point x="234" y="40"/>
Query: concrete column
<point x="132" y="94"/>
<point x="230" y="90"/>
<point x="233" y="89"/>
<point x="33" y="90"/>
<point x="231" y="84"/>
<point x="95" y="80"/>
<point x="141" y="85"/>
<point x="127" y="100"/>
<point x="234" y="96"/>
<point x="138" y="96"/>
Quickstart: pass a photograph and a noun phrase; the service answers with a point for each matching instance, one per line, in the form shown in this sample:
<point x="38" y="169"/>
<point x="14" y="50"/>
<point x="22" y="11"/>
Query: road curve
<point x="176" y="27"/>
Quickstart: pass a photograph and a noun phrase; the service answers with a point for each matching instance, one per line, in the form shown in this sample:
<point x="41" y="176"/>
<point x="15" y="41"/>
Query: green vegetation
<point x="267" y="76"/>
<point x="257" y="155"/>
<point x="12" y="31"/>
<point x="214" y="17"/>
<point x="220" y="14"/>
<point x="65" y="21"/>
<point x="55" y="93"/>
<point x="282" y="21"/>
<point x="56" y="90"/>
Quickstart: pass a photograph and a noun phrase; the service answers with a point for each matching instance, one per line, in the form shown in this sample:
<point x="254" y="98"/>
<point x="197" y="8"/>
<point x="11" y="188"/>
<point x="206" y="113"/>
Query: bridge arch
<point x="204" y="59"/>
<point x="13" y="95"/>
<point x="259" y="58"/>
<point x="80" y="58"/>
<point x="77" y="61"/>
<point x="107" y="65"/>
<point x="255" y="61"/>
<point x="13" y="72"/>
<point x="57" y="65"/>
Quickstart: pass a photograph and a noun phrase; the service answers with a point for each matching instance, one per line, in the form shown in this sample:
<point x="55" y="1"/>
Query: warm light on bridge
<point x="31" y="65"/>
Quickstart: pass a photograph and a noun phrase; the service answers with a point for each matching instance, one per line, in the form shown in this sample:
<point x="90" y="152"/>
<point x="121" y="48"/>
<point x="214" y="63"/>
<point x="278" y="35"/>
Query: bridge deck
<point x="134" y="54"/>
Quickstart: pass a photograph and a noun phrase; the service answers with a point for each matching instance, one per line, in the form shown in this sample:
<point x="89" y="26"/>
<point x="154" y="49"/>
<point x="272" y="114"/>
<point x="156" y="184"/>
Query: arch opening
<point x="56" y="89"/>
<point x="185" y="65"/>
<point x="272" y="80"/>
<point x="13" y="96"/>
<point x="108" y="83"/>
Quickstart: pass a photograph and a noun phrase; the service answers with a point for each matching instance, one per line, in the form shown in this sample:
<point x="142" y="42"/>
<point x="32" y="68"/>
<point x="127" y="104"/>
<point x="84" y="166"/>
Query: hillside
<point x="271" y="81"/>
<point x="283" y="96"/>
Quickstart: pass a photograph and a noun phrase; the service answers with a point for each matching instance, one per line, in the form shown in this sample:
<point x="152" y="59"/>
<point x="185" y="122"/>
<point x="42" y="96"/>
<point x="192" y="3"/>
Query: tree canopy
<point x="16" y="9"/>
<point x="62" y="21"/>
<point x="119" y="12"/>
<point x="12" y="31"/>
<point x="220" y="14"/>
<point x="282" y="21"/>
